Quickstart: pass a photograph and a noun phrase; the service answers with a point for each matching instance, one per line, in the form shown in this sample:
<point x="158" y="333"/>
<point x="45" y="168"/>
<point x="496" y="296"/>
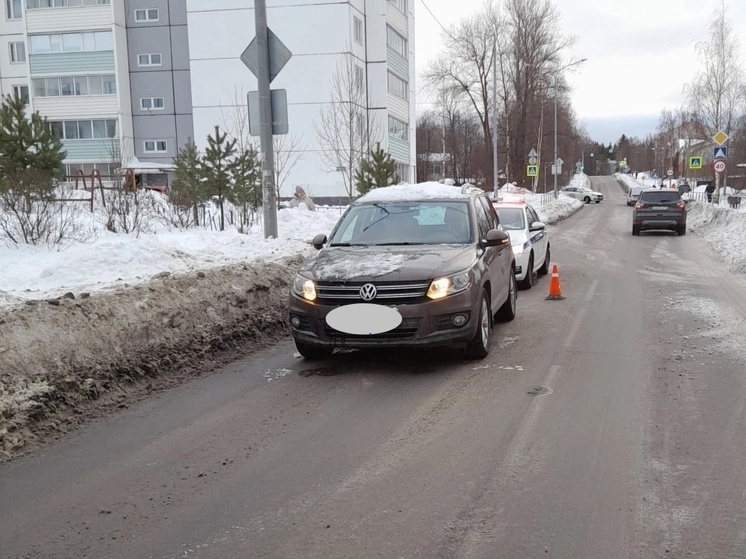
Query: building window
<point x="84" y="129"/>
<point x="396" y="42"/>
<point x="17" y="52"/>
<point x="75" y="85"/>
<point x="400" y="5"/>
<point x="398" y="86"/>
<point x="150" y="14"/>
<point x="357" y="30"/>
<point x="402" y="169"/>
<point x="34" y="4"/>
<point x="13" y="9"/>
<point x="359" y="78"/>
<point x="72" y="42"/>
<point x="152" y="103"/>
<point x="21" y="91"/>
<point x="156" y="146"/>
<point x="398" y="129"/>
<point x="148" y="59"/>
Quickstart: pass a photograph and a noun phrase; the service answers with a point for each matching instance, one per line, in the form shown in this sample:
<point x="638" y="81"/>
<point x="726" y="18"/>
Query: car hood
<point x="517" y="237"/>
<point x="387" y="263"/>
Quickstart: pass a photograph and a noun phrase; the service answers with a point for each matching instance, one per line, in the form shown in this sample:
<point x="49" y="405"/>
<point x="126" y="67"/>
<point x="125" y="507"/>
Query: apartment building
<point x="377" y="34"/>
<point x="112" y="77"/>
<point x="133" y="80"/>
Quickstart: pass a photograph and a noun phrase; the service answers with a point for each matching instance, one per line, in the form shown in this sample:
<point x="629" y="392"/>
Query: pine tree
<point x="217" y="168"/>
<point x="376" y="171"/>
<point x="30" y="154"/>
<point x="247" y="182"/>
<point x="188" y="190"/>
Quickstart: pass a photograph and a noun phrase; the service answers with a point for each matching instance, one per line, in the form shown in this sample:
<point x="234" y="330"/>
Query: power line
<point x="435" y="18"/>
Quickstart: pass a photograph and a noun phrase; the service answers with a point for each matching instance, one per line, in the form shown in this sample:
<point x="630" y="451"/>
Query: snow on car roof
<point x="413" y="192"/>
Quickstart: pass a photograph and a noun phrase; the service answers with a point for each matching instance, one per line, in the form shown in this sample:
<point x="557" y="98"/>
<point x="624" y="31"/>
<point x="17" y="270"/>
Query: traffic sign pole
<point x="269" y="199"/>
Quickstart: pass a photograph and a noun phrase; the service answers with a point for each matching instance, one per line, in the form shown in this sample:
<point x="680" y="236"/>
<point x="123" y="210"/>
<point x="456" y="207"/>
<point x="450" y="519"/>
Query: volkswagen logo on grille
<point x="368" y="292"/>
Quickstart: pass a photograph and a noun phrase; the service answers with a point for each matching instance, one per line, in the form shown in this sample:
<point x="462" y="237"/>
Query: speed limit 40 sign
<point x="719" y="166"/>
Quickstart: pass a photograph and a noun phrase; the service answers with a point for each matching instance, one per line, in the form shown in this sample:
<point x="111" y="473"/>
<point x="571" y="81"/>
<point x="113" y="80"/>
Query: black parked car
<point x="659" y="209"/>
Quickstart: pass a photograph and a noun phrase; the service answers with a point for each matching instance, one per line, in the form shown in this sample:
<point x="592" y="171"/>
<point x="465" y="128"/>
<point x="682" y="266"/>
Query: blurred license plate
<point x="659" y="208"/>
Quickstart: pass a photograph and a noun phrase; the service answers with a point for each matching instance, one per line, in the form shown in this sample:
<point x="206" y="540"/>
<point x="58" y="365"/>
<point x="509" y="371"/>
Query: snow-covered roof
<point x="413" y="192"/>
<point x="143" y="166"/>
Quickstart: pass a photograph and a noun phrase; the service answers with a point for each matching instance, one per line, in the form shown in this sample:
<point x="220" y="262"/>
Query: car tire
<point x="479" y="346"/>
<point x="681" y="230"/>
<point x="312" y="351"/>
<point x="635" y="230"/>
<point x="544" y="270"/>
<point x="528" y="281"/>
<point x="506" y="313"/>
<point x="587" y="199"/>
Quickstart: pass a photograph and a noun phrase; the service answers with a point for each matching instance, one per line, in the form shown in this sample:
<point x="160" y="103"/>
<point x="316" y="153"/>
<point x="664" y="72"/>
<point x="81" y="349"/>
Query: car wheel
<point x="587" y="199"/>
<point x="312" y="351"/>
<point x="528" y="281"/>
<point x="479" y="346"/>
<point x="681" y="230"/>
<point x="544" y="270"/>
<point x="635" y="230"/>
<point x="507" y="311"/>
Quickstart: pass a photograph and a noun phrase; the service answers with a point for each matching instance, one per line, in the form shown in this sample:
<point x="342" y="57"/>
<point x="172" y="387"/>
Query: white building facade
<point x="379" y="34"/>
<point x="134" y="80"/>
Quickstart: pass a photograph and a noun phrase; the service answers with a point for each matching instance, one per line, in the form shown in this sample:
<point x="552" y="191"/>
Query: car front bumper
<point x="521" y="264"/>
<point x="423" y="324"/>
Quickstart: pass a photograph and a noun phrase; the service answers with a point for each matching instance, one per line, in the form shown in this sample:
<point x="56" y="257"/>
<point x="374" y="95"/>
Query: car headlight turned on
<point x="519" y="249"/>
<point x="448" y="285"/>
<point x="304" y="287"/>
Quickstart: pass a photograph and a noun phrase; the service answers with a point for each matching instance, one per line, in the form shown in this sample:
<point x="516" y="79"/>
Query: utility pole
<point x="496" y="179"/>
<point x="269" y="201"/>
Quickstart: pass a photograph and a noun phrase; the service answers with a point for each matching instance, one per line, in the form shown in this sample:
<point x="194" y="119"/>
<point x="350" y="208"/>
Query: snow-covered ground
<point x="109" y="260"/>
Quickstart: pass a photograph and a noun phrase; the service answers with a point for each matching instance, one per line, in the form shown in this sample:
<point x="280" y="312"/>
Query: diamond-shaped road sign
<point x="720" y="152"/>
<point x="720" y="138"/>
<point x="279" y="55"/>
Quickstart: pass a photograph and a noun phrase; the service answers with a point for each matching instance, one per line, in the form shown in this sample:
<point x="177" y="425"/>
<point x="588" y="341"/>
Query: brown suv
<point x="407" y="266"/>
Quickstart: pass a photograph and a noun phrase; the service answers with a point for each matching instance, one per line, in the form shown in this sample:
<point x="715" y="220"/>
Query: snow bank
<point x="722" y="229"/>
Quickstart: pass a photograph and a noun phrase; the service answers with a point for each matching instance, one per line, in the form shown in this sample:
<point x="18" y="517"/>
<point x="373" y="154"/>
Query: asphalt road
<point x="606" y="425"/>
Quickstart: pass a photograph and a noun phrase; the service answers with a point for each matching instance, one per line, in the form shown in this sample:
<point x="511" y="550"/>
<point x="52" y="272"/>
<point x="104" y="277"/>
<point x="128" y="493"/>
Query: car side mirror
<point x="495" y="238"/>
<point x="319" y="241"/>
<point x="537" y="226"/>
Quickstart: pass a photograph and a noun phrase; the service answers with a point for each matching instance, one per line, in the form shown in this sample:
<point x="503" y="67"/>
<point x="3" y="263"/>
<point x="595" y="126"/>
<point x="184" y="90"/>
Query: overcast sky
<point x="640" y="54"/>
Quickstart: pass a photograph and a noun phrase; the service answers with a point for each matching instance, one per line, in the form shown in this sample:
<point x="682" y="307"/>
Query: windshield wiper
<point x="380" y="207"/>
<point x="403" y="243"/>
<point x="348" y="245"/>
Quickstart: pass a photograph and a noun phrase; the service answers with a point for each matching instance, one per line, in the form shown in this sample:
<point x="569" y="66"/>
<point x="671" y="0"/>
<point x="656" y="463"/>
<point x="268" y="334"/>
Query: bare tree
<point x="717" y="93"/>
<point x="289" y="149"/>
<point x="344" y="130"/>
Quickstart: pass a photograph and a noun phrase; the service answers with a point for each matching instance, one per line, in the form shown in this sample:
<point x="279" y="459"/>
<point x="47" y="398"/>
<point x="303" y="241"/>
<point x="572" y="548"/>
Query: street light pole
<point x="496" y="178"/>
<point x="555" y="119"/>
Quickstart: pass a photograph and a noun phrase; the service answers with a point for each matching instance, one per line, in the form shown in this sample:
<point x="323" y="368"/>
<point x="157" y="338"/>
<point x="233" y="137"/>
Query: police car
<point x="528" y="237"/>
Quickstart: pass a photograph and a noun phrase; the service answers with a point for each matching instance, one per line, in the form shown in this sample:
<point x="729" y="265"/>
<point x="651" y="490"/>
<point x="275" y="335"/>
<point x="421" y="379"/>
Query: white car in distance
<point x="583" y="194"/>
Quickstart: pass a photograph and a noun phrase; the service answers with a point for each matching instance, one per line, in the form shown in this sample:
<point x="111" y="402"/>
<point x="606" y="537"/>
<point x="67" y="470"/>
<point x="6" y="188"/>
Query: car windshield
<point x="660" y="197"/>
<point x="511" y="219"/>
<point x="404" y="223"/>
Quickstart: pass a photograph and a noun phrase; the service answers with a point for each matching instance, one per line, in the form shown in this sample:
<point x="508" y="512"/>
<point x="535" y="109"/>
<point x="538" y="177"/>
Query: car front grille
<point x="407" y="330"/>
<point x="389" y="293"/>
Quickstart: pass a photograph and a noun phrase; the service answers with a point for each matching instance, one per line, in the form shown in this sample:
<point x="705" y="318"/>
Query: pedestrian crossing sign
<point x="695" y="162"/>
<point x="532" y="170"/>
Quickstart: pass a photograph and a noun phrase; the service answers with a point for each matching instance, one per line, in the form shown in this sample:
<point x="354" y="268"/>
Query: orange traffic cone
<point x="555" y="291"/>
